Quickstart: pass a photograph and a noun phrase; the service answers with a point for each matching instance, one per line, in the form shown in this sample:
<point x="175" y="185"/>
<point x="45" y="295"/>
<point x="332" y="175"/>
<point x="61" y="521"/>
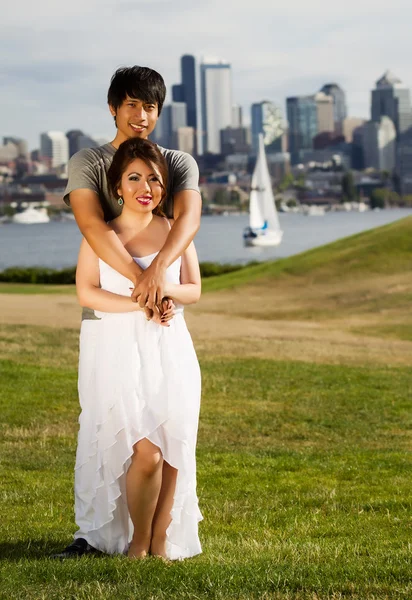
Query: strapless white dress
<point x="137" y="380"/>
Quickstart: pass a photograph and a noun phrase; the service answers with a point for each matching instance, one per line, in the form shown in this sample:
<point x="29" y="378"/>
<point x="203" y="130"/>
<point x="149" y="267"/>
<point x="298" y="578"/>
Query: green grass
<point x="384" y="250"/>
<point x="303" y="478"/>
<point x="35" y="288"/>
<point x="396" y="331"/>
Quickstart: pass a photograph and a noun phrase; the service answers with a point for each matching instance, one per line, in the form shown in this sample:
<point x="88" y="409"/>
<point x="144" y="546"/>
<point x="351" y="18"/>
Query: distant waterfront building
<point x="379" y="145"/>
<point x="267" y="118"/>
<point x="54" y="148"/>
<point x="348" y="127"/>
<point x="78" y="141"/>
<point x="234" y="140"/>
<point x="216" y="97"/>
<point x="303" y="126"/>
<point x="357" y="155"/>
<point x="324" y="108"/>
<point x="178" y="93"/>
<point x="21" y="145"/>
<point x="339" y="103"/>
<point x="184" y="140"/>
<point x="172" y="118"/>
<point x="186" y="91"/>
<point x="392" y="99"/>
<point x="237" y="120"/>
<point x="8" y="153"/>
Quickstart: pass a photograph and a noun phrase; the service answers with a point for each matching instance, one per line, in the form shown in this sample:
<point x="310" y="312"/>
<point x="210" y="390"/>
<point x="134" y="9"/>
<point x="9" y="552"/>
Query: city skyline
<point x="293" y="50"/>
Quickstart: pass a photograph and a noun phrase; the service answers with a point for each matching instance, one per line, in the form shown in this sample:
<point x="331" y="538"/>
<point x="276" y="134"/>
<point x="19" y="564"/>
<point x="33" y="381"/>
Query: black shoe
<point x="78" y="548"/>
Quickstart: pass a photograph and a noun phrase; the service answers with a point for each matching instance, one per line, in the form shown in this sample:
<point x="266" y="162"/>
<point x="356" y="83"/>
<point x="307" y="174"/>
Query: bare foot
<point x="158" y="547"/>
<point x="136" y="552"/>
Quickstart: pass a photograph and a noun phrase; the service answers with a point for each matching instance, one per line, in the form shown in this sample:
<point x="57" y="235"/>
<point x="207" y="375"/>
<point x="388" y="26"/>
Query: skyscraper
<point x="178" y="93"/>
<point x="237" y="119"/>
<point x="78" y="140"/>
<point x="172" y="118"/>
<point x="54" y="148"/>
<point x="303" y="125"/>
<point x="325" y="106"/>
<point x="379" y="141"/>
<point x="216" y="96"/>
<point x="392" y="99"/>
<point x="267" y="118"/>
<point x="186" y="91"/>
<point x="188" y="66"/>
<point x="339" y="104"/>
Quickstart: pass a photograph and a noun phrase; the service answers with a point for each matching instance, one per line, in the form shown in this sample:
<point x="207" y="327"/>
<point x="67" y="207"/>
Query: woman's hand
<point x="165" y="313"/>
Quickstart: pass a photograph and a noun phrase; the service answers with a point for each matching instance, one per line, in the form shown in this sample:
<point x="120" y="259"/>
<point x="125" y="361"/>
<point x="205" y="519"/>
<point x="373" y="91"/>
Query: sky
<point x="57" y="57"/>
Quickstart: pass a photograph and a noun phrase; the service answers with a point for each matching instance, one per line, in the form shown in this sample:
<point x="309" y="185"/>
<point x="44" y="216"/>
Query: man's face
<point x="135" y="118"/>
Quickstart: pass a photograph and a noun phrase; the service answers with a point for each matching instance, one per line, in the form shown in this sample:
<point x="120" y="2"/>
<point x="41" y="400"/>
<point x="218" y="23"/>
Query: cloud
<point x="57" y="59"/>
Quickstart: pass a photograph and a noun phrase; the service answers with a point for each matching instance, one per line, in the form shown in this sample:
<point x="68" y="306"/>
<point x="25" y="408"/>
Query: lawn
<point x="304" y="456"/>
<point x="303" y="478"/>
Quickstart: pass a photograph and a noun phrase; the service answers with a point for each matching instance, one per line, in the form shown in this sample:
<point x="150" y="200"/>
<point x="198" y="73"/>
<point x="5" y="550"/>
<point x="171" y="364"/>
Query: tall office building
<point x="348" y="127"/>
<point x="78" y="141"/>
<point x="188" y="66"/>
<point x="379" y="144"/>
<point x="267" y="118"/>
<point x="339" y="104"/>
<point x="324" y="107"/>
<point x="21" y="145"/>
<point x="186" y="91"/>
<point x="392" y="99"/>
<point x="54" y="148"/>
<point x="172" y="118"/>
<point x="303" y="125"/>
<point x="237" y="119"/>
<point x="178" y="93"/>
<point x="216" y="97"/>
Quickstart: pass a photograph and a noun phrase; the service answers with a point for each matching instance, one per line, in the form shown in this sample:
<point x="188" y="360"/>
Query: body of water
<point x="56" y="244"/>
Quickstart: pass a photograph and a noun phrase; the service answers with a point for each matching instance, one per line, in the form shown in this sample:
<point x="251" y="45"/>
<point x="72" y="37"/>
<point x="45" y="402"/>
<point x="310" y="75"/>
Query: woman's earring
<point x="120" y="201"/>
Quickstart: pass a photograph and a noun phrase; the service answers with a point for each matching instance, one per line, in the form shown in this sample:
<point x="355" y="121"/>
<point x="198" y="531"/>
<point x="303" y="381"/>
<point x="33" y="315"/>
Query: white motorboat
<point x="264" y="228"/>
<point x="314" y="211"/>
<point x="31" y="215"/>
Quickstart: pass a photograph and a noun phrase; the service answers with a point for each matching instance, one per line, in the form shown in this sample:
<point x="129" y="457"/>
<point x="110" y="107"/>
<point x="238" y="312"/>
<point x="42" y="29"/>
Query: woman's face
<point x="141" y="186"/>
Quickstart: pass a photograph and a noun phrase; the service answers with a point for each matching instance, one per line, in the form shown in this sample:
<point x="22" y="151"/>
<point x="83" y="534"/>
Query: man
<point x="135" y="99"/>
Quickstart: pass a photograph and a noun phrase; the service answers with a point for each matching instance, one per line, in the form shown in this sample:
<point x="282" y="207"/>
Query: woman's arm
<point x="89" y="292"/>
<point x="189" y="289"/>
<point x="100" y="236"/>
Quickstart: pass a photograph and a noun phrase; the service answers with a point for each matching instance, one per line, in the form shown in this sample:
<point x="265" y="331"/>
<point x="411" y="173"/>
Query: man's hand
<point x="148" y="291"/>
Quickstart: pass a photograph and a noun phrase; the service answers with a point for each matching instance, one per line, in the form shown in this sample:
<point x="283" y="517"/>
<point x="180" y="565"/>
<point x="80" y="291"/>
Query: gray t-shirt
<point x="88" y="170"/>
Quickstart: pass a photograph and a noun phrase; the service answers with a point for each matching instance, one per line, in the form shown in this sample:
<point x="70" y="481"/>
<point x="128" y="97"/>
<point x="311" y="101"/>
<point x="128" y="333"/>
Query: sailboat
<point x="264" y="228"/>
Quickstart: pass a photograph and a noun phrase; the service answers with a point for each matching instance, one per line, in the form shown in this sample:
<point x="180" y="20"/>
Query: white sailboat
<point x="264" y="228"/>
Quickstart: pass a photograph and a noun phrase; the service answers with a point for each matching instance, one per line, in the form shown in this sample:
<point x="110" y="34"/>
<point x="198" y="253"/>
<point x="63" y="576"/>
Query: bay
<point x="219" y="239"/>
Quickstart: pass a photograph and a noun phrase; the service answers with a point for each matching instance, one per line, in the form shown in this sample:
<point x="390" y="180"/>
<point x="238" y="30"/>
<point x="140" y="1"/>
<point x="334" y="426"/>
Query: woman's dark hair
<point x="146" y="151"/>
<point x="141" y="83"/>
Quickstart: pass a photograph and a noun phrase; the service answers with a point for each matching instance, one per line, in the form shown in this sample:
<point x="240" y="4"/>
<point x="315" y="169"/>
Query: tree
<point x="407" y="200"/>
<point x="286" y="183"/>
<point x="349" y="193"/>
<point x="377" y="198"/>
<point x="221" y="196"/>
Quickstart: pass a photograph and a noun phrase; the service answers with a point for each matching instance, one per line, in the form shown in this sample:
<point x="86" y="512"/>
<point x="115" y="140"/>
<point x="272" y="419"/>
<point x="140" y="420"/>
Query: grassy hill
<point x="385" y="250"/>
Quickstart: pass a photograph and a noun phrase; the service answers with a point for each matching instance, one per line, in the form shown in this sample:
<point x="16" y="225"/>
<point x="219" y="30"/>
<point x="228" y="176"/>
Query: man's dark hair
<point x="136" y="82"/>
<point x="149" y="153"/>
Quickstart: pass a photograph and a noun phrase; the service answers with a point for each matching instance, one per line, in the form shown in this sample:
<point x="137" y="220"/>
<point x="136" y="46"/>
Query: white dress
<point x="137" y="380"/>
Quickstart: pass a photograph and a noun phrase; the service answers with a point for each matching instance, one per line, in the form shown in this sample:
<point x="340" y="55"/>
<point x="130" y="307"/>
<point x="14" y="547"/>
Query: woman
<point x="140" y="392"/>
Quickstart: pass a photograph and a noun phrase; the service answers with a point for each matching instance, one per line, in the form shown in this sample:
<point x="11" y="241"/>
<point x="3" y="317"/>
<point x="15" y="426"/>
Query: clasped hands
<point x="149" y="293"/>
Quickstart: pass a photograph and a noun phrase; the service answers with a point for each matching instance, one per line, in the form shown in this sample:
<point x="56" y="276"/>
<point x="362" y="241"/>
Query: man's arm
<point x="100" y="236"/>
<point x="187" y="213"/>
